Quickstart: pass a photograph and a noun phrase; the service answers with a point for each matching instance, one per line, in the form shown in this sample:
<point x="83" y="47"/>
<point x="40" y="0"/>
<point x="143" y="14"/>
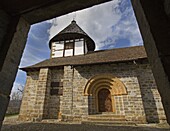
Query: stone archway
<point x="107" y="83"/>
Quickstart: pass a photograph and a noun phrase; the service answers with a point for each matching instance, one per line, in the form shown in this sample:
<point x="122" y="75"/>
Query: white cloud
<point x="98" y="21"/>
<point x="128" y="28"/>
<point x="95" y="21"/>
<point x="104" y="23"/>
<point x="29" y="58"/>
<point x="36" y="49"/>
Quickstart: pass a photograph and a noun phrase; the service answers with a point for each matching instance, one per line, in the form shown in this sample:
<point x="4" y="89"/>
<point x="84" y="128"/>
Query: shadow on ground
<point x="75" y="127"/>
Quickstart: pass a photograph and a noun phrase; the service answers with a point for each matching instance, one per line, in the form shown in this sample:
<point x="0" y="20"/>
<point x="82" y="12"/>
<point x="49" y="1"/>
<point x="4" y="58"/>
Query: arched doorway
<point x="104" y="101"/>
<point x="101" y="90"/>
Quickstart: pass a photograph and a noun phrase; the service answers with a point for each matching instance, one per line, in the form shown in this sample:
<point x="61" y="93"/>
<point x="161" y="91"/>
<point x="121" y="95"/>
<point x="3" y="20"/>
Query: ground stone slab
<point x="80" y="127"/>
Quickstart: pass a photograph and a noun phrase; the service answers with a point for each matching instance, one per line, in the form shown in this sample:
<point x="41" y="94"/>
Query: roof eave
<point x="27" y="69"/>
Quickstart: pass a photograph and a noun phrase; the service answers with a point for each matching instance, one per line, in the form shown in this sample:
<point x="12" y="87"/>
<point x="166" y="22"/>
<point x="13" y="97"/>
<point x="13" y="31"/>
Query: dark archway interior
<point x="104" y="101"/>
<point x="16" y="17"/>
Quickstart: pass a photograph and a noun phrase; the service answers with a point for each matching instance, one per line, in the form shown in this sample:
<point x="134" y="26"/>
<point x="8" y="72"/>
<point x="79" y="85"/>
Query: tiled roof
<point x="72" y="28"/>
<point x="74" y="31"/>
<point x="96" y="57"/>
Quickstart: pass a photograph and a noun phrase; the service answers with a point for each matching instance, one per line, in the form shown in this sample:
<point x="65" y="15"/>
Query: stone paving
<point x="11" y="124"/>
<point x="77" y="127"/>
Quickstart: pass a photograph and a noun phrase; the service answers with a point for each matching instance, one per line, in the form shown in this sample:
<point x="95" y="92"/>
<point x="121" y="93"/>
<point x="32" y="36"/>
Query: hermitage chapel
<point x="80" y="84"/>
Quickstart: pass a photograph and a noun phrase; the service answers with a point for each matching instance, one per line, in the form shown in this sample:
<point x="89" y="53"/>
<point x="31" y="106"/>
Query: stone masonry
<point x="29" y="97"/>
<point x="141" y="104"/>
<point x="151" y="20"/>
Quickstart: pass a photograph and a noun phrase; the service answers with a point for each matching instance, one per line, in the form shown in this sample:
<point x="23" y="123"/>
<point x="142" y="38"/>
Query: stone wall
<point x="151" y="99"/>
<point x="67" y="100"/>
<point x="140" y="104"/>
<point x="129" y="105"/>
<point x="35" y="101"/>
<point x="55" y="100"/>
<point x="37" y="92"/>
<point x="42" y="95"/>
<point x="136" y="77"/>
<point x="29" y="97"/>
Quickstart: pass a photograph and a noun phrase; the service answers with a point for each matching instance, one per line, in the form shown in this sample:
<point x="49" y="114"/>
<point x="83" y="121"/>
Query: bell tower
<point x="71" y="41"/>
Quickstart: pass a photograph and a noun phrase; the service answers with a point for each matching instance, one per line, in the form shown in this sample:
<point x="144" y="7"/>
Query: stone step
<point x="50" y="120"/>
<point x="106" y="115"/>
<point x="106" y="118"/>
<point x="58" y="121"/>
<point x="108" y="122"/>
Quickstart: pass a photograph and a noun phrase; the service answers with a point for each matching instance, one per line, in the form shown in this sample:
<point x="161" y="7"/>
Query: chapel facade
<point x="80" y="84"/>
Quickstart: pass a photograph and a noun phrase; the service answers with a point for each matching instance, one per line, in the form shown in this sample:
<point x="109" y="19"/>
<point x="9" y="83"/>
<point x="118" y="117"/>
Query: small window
<point x="56" y="84"/>
<point x="69" y="45"/>
<point x="56" y="91"/>
<point x="56" y="88"/>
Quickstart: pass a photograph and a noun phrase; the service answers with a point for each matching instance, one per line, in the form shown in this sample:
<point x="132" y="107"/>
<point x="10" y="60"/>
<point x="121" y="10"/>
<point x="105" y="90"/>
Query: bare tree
<point x="21" y="88"/>
<point x="17" y="95"/>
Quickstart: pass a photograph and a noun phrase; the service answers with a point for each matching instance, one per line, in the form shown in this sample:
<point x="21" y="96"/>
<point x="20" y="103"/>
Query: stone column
<point x="29" y="97"/>
<point x="67" y="100"/>
<point x="154" y="26"/>
<point x="12" y="44"/>
<point x="42" y="94"/>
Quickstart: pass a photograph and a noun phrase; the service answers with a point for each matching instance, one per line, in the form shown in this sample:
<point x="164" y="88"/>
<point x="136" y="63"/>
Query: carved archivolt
<point x="113" y="84"/>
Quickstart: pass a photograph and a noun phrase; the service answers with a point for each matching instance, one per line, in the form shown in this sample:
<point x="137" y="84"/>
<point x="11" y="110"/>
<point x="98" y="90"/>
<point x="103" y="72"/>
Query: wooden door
<point x="104" y="101"/>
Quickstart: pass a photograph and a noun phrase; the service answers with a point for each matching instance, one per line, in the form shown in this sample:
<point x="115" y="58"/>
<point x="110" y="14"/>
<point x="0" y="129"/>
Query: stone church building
<point x="80" y="84"/>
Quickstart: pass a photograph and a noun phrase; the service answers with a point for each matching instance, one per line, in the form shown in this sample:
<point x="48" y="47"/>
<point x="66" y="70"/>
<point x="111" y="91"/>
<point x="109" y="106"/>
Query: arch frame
<point x="104" y="81"/>
<point x="116" y="85"/>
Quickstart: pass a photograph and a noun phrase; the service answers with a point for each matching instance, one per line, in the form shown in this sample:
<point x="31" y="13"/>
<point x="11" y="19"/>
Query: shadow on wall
<point x="53" y="105"/>
<point x="147" y="85"/>
<point x="54" y="94"/>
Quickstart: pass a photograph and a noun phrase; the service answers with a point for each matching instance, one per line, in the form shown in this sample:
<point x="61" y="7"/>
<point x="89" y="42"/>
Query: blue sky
<point x="110" y="25"/>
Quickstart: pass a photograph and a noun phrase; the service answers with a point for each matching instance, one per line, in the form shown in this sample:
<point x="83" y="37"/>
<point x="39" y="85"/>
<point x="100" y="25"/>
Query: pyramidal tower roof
<point x="72" y="28"/>
<point x="73" y="31"/>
